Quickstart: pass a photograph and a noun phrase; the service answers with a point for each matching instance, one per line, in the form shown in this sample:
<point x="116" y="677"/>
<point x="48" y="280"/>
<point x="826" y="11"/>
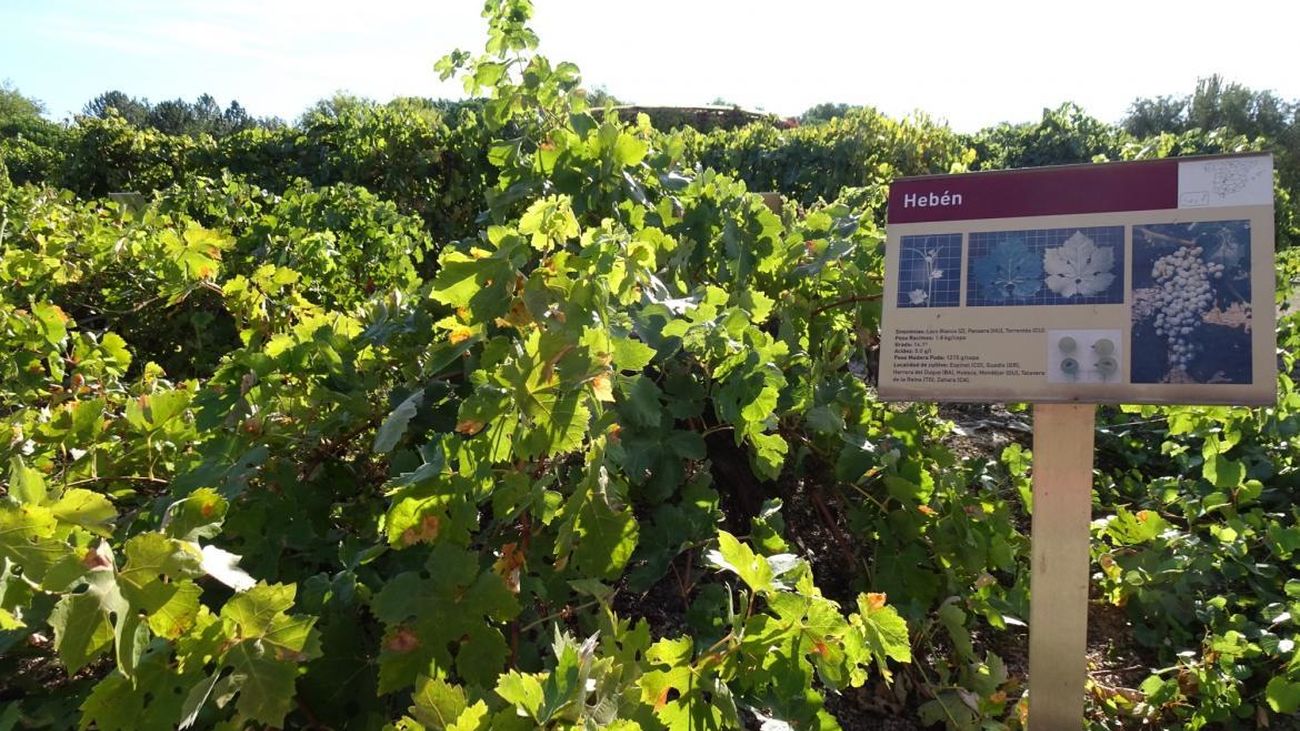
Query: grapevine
<point x="513" y="414"/>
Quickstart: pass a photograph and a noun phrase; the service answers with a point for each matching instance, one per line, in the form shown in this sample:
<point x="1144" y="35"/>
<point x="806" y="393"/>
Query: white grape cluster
<point x="1182" y="299"/>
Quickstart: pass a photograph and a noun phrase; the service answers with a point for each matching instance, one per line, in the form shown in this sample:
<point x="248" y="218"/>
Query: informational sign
<point x="1131" y="282"/>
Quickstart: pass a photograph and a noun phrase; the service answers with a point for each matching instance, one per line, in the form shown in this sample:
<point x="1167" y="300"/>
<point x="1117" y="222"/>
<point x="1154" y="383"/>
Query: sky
<point x="971" y="63"/>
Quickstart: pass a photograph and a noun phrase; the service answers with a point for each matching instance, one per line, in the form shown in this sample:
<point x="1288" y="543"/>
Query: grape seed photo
<point x="1191" y="303"/>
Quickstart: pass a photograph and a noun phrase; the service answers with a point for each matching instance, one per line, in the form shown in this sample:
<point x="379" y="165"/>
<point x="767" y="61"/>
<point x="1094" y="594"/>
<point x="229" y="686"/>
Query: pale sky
<point x="970" y="63"/>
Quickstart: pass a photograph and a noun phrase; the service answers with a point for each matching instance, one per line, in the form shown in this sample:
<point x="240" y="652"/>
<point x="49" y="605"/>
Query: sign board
<point x="1130" y="282"/>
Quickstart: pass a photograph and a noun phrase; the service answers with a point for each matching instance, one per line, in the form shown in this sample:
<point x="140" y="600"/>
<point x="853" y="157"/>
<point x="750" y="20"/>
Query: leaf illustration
<point x="1079" y="267"/>
<point x="1010" y="271"/>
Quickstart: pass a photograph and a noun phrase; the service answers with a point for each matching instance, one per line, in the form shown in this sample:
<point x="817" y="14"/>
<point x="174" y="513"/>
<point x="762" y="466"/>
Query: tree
<point x="133" y="110"/>
<point x="236" y="118"/>
<point x="601" y="96"/>
<point x="824" y="112"/>
<point x="1066" y="134"/>
<point x="335" y="107"/>
<point x="15" y="106"/>
<point x="1217" y="103"/>
<point x="1148" y="117"/>
<point x="175" y="117"/>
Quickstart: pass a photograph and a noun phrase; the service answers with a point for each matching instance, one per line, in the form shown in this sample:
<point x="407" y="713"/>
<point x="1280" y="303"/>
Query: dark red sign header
<point x="1109" y="187"/>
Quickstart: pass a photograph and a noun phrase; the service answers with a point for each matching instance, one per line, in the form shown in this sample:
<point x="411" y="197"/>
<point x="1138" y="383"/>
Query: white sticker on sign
<point x="1242" y="181"/>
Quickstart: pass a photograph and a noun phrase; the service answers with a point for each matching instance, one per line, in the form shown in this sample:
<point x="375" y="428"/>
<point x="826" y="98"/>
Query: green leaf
<point x="395" y="424"/>
<point x="628" y="150"/>
<point x="736" y="557"/>
<point x="825" y="419"/>
<point x="1223" y="472"/>
<point x="769" y="454"/>
<point x="884" y="631"/>
<point x="199" y="515"/>
<point x="631" y="355"/>
<point x="266" y="684"/>
<point x="1283" y="695"/>
<point x="559" y="424"/>
<point x="438" y="704"/>
<point x="256" y="611"/>
<point x="197" y="698"/>
<point x="26" y="485"/>
<point x="641" y="405"/>
<point x="87" y="509"/>
<point x="475" y="718"/>
<point x="151" y="555"/>
<point x="150" y="412"/>
<point x="9" y="621"/>
<point x="444" y="622"/>
<point x="115" y="350"/>
<point x="271" y="644"/>
<point x="605" y="539"/>
<point x="1129" y="529"/>
<point x="81" y="631"/>
<point x="152" y="701"/>
<point x="523" y="691"/>
<point x="53" y="322"/>
<point x="27" y="539"/>
<point x="953" y="619"/>
<point x="550" y="222"/>
<point x="477" y="284"/>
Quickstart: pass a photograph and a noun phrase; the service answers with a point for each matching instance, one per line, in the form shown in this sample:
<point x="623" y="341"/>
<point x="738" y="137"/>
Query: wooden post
<point x="1058" y="606"/>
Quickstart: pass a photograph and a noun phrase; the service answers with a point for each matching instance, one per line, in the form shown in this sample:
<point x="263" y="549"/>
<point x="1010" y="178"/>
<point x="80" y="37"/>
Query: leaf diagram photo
<point x="1191" y="303"/>
<point x="929" y="271"/>
<point x="1073" y="266"/>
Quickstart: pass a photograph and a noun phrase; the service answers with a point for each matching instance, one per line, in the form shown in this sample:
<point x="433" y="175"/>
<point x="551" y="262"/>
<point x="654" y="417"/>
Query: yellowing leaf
<point x="469" y="426"/>
<point x="459" y="334"/>
<point x="426" y="531"/>
<point x="602" y="387"/>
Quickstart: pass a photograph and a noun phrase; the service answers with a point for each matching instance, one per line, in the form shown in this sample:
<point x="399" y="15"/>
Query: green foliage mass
<point x="513" y="415"/>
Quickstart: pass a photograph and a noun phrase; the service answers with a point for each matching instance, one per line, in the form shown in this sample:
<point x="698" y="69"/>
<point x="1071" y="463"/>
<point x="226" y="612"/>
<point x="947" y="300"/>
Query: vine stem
<point x="129" y="478"/>
<point x="557" y="615"/>
<point x="846" y="301"/>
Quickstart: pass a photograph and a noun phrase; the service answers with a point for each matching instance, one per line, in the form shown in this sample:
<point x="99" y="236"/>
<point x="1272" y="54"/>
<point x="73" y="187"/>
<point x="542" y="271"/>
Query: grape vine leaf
<point x="1283" y="695"/>
<point x="1079" y="267"/>
<point x="81" y="630"/>
<point x="1009" y="271"/>
<point x="701" y="703"/>
<point x="27" y="538"/>
<point x="26" y="485"/>
<point x="883" y="630"/>
<point x="87" y="509"/>
<point x="271" y="643"/>
<point x="427" y="617"/>
<point x="151" y="701"/>
<point x="549" y="221"/>
<point x="199" y="515"/>
<point x="438" y="704"/>
<point x="474" y="718"/>
<point x="738" y="558"/>
<point x="395" y="424"/>
<point x="598" y="535"/>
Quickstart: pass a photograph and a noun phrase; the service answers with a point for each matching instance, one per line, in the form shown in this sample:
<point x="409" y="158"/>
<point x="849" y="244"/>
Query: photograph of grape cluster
<point x="1191" y="303"/>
